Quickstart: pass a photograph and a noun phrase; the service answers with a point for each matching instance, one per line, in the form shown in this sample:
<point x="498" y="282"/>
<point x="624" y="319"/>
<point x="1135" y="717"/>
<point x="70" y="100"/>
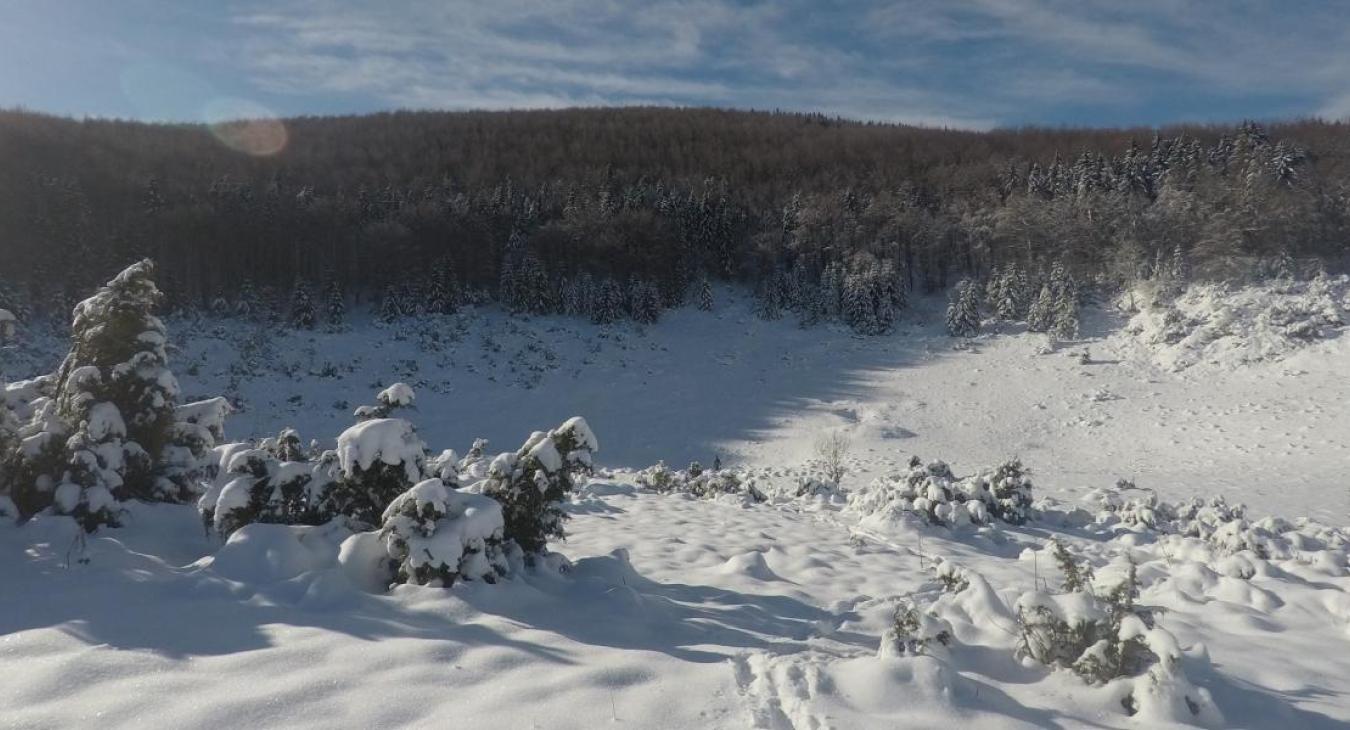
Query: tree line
<point x="621" y="213"/>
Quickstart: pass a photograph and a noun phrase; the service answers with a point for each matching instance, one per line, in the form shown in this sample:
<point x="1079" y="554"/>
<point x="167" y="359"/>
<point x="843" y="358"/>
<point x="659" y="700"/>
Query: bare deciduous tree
<point x="832" y="449"/>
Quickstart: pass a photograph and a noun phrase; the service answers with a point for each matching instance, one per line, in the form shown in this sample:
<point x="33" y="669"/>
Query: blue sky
<point x="963" y="63"/>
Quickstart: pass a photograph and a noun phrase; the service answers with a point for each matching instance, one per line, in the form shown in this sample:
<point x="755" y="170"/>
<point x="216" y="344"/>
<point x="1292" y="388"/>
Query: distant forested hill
<point x="613" y="213"/>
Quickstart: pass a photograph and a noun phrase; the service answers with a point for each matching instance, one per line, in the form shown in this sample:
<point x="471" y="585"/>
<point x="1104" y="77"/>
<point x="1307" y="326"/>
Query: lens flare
<point x="246" y="126"/>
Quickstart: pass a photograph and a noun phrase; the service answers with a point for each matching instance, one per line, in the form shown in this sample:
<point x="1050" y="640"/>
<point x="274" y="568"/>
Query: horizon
<point x="974" y="65"/>
<point x="1216" y="124"/>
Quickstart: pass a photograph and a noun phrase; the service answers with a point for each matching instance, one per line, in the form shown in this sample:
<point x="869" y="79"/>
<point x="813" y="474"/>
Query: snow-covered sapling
<point x="436" y="535"/>
<point x="396" y="396"/>
<point x="532" y="483"/>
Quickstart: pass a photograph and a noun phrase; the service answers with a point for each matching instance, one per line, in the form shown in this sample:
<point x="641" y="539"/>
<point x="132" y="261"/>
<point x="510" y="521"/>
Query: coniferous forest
<point x="619" y="213"/>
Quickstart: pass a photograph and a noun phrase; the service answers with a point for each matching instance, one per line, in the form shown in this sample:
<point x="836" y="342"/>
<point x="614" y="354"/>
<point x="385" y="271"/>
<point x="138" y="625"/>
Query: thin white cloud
<point x="964" y="63"/>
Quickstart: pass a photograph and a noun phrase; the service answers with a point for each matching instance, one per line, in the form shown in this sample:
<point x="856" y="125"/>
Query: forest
<point x="620" y="213"/>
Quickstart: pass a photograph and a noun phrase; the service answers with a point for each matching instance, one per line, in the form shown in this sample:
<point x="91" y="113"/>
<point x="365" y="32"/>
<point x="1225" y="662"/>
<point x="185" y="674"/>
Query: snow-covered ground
<point x="682" y="612"/>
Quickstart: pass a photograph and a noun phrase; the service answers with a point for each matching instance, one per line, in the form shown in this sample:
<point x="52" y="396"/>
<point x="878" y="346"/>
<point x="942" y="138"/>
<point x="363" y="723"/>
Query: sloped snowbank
<point x="1227" y="326"/>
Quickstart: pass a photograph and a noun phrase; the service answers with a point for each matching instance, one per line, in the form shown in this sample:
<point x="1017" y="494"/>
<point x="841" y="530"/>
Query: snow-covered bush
<point x="377" y="459"/>
<point x="533" y="482"/>
<point x="914" y="632"/>
<point x="1228" y="326"/>
<point x="258" y="485"/>
<point x="1106" y="640"/>
<point x="106" y="426"/>
<point x="435" y="535"/>
<point x="933" y="493"/>
<point x="699" y="482"/>
<point x="1219" y="534"/>
<point x="396" y="396"/>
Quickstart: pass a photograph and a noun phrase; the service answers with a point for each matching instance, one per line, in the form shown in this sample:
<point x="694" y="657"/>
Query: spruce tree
<point x="644" y="302"/>
<point x="246" y="303"/>
<point x="335" y="303"/>
<point x="963" y="312"/>
<point x="110" y="431"/>
<point x="705" y="295"/>
<point x="1040" y="316"/>
<point x="303" y="315"/>
<point x="390" y="308"/>
<point x="608" y="305"/>
<point x="533" y="483"/>
<point x="1064" y="315"/>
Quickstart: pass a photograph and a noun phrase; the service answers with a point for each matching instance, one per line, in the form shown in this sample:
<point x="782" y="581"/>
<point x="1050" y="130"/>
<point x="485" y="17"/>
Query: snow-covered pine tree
<point x="644" y="302"/>
<point x="586" y="297"/>
<point x="377" y="460"/>
<point x="832" y="290"/>
<point x="108" y="432"/>
<point x="1064" y="325"/>
<point x="609" y="303"/>
<point x="303" y="314"/>
<point x="767" y="303"/>
<point x="436" y="535"/>
<point x="1009" y="296"/>
<point x="859" y="310"/>
<point x="246" y="303"/>
<point x="1040" y="315"/>
<point x="993" y="290"/>
<point x="533" y="290"/>
<point x="508" y="284"/>
<point x="390" y="307"/>
<point x="335" y="302"/>
<point x="533" y="483"/>
<point x="570" y="295"/>
<point x="963" y="311"/>
<point x="436" y="298"/>
<point x="705" y="295"/>
<point x="396" y="396"/>
<point x="118" y="358"/>
<point x="409" y="299"/>
<point x="1064" y="305"/>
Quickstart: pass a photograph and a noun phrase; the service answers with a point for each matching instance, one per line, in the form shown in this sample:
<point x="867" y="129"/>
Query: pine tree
<point x="1040" y="316"/>
<point x="963" y="312"/>
<point x="608" y="305"/>
<point x="303" y="315"/>
<point x="390" y="307"/>
<point x="533" y="483"/>
<point x="436" y="298"/>
<point x="705" y="295"/>
<point x="110" y="431"/>
<point x="532" y="286"/>
<point x="334" y="301"/>
<point x="644" y="302"/>
<point x="859" y="309"/>
<point x="767" y="304"/>
<point x="246" y="303"/>
<point x="1065" y="315"/>
<point x="1063" y="319"/>
<point x="1008" y="294"/>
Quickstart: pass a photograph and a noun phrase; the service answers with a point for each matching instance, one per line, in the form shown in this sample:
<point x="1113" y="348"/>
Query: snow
<point x="398" y="394"/>
<point x="104" y="421"/>
<point x="679" y="611"/>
